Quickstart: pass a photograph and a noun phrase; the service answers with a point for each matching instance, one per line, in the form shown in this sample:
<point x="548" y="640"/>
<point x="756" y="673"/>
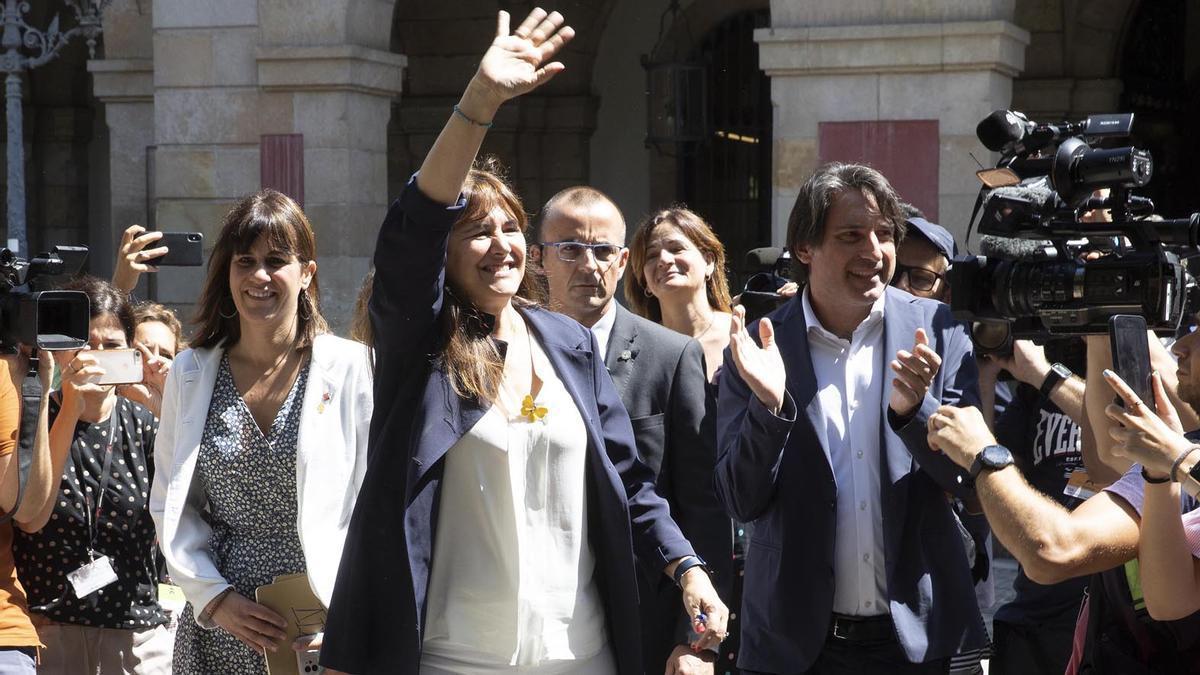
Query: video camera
<point x="1050" y="267"/>
<point x="50" y="320"/>
<point x="760" y="296"/>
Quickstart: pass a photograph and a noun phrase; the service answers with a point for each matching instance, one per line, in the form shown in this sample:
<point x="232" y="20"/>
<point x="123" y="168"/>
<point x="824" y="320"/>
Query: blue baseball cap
<point x="935" y="234"/>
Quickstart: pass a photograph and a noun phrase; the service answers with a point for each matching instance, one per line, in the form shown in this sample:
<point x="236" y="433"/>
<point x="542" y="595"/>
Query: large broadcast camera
<point x="1051" y="267"/>
<point x="50" y="320"/>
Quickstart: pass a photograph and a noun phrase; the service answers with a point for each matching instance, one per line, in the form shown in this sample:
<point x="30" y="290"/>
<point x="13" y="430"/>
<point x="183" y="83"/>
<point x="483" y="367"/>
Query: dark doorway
<point x="727" y="178"/>
<point x="1161" y="88"/>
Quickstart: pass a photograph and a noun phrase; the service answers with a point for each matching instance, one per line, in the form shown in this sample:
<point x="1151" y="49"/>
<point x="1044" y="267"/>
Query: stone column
<point x="222" y="80"/>
<point x="838" y="61"/>
<point x="126" y="88"/>
<point x="340" y="98"/>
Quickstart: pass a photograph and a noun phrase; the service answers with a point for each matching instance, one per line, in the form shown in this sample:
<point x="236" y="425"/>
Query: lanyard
<point x="105" y="475"/>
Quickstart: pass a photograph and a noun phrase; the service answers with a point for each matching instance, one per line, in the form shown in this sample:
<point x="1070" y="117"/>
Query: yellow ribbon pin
<point x="531" y="410"/>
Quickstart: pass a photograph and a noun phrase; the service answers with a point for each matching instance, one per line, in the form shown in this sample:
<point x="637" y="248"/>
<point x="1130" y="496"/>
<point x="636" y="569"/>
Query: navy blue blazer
<point x="775" y="471"/>
<point x="377" y="613"/>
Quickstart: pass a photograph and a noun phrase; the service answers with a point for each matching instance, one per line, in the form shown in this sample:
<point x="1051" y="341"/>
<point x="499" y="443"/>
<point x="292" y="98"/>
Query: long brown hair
<point x="266" y="213"/>
<point x="692" y="226"/>
<point x="470" y="357"/>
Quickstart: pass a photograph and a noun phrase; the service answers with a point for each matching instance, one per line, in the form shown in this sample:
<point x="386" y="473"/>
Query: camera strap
<point x="31" y="405"/>
<point x="971" y="222"/>
<point x="93" y="513"/>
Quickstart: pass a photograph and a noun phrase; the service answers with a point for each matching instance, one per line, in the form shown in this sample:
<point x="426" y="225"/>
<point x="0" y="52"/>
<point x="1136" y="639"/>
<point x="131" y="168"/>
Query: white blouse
<point x="512" y="583"/>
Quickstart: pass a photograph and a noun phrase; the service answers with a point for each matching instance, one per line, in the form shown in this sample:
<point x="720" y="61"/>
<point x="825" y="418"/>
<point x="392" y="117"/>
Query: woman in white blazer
<point x="262" y="446"/>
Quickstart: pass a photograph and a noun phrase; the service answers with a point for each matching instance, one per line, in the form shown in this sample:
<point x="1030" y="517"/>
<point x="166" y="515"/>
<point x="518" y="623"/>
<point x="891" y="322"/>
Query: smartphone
<point x="306" y="662"/>
<point x="184" y="249"/>
<point x="121" y="366"/>
<point x="1131" y="355"/>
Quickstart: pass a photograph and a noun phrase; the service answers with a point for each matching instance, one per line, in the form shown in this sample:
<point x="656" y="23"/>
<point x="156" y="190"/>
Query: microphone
<point x="1003" y="128"/>
<point x="764" y="258"/>
<point x="1015" y="249"/>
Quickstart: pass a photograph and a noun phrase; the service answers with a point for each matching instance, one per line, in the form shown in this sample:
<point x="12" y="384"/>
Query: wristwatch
<point x="992" y="457"/>
<point x="1058" y="373"/>
<point x="686" y="564"/>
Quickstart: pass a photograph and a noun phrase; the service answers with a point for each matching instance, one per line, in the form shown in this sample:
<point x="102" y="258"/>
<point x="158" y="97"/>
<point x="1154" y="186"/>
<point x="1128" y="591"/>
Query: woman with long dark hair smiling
<point x="262" y="443"/>
<point x="678" y="279"/>
<point x="497" y="526"/>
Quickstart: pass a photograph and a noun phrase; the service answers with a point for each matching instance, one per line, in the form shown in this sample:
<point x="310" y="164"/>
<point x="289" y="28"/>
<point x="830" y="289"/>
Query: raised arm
<point x="133" y="258"/>
<point x="754" y="418"/>
<point x="45" y="470"/>
<point x="516" y="63"/>
<point x="1097" y="399"/>
<point x="407" y="298"/>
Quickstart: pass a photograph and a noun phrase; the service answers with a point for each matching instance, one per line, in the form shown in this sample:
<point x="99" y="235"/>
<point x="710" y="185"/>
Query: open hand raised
<point x="760" y="367"/>
<point x="518" y="62"/>
<point x="915" y="370"/>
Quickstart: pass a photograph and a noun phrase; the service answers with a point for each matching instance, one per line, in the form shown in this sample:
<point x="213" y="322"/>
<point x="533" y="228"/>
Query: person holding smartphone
<point x="89" y="566"/>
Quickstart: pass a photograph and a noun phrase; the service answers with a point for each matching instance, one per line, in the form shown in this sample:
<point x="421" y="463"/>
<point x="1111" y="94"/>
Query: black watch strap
<point x="686" y="564"/>
<point x="1058" y="373"/>
<point x="991" y="457"/>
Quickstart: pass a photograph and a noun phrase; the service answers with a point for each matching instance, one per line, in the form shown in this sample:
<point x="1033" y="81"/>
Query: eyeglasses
<point x="571" y="251"/>
<point x="919" y="278"/>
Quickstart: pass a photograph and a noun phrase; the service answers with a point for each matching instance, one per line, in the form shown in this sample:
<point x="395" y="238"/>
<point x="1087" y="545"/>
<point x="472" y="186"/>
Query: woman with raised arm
<point x="497" y="527"/>
<point x="262" y="444"/>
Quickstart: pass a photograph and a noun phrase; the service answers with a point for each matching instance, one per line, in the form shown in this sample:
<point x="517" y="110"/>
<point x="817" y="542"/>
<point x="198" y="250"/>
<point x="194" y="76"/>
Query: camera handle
<point x="31" y="404"/>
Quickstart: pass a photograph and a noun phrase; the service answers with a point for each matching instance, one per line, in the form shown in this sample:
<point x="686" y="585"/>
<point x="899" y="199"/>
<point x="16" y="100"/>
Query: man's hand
<point x="1028" y="363"/>
<point x="760" y="367"/>
<point x="686" y="661"/>
<point x="959" y="433"/>
<point x="708" y="614"/>
<point x="133" y="256"/>
<point x="915" y="370"/>
<point x="1150" y="439"/>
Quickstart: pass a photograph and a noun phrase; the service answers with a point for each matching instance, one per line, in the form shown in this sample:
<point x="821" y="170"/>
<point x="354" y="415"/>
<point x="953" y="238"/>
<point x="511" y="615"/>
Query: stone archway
<point x="1072" y="62"/>
<point x="542" y="139"/>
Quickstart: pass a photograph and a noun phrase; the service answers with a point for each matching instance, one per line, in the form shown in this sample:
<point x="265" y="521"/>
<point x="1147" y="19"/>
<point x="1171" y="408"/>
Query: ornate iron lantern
<point x="676" y="88"/>
<point x="25" y="48"/>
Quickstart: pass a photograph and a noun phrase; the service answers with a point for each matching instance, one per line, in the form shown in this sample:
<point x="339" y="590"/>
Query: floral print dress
<point x="249" y="483"/>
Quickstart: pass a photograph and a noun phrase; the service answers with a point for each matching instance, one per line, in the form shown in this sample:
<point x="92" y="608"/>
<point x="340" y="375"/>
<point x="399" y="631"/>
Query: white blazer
<point x="331" y="459"/>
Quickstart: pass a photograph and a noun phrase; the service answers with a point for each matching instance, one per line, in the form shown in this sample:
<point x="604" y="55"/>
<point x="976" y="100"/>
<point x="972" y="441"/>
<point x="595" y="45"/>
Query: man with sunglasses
<point x="660" y="377"/>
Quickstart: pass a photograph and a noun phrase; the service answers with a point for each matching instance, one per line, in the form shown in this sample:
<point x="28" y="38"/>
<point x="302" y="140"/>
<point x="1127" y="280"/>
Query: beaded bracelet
<point x="458" y="111"/>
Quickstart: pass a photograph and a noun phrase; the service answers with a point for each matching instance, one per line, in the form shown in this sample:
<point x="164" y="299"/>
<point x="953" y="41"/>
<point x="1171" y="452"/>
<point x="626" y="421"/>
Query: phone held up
<point x="1131" y="355"/>
<point x="121" y="366"/>
<point x="184" y="249"/>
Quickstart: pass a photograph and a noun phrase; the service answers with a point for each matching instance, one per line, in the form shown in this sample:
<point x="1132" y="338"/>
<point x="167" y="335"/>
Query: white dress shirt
<point x="602" y="329"/>
<point x="850" y="376"/>
<point x="512" y="583"/>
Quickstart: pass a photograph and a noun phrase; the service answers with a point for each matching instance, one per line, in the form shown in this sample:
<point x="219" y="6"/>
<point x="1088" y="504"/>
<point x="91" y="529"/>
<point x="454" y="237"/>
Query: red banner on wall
<point x="281" y="162"/>
<point x="905" y="151"/>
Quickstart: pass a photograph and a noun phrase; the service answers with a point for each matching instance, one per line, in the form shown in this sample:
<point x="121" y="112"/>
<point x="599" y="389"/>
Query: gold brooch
<point x="531" y="410"/>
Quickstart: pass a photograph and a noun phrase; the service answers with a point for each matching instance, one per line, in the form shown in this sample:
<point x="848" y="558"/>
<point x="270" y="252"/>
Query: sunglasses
<point x="572" y="251"/>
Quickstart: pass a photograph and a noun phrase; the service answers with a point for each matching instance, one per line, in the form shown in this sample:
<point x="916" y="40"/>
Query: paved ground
<point x="1005" y="570"/>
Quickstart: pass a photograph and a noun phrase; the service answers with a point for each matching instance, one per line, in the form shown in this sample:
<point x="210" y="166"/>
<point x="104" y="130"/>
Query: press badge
<point x="1080" y="486"/>
<point x="92" y="577"/>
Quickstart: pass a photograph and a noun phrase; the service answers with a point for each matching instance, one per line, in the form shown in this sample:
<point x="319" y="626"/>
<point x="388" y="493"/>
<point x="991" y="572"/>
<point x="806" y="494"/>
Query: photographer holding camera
<point x="95" y="599"/>
<point x="1044" y="190"/>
